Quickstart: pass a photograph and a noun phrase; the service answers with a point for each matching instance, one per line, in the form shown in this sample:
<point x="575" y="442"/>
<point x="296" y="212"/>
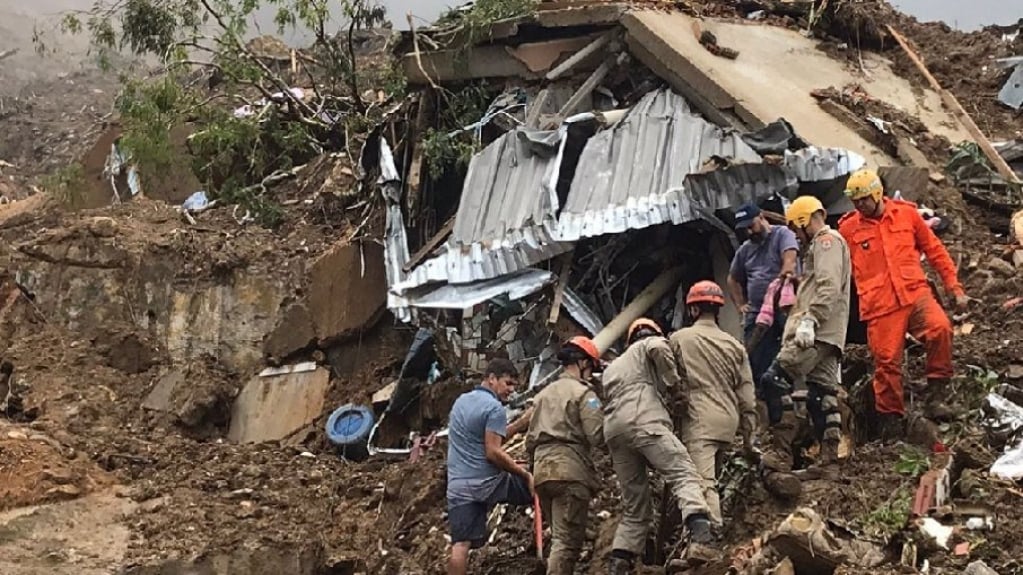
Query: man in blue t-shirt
<point x="770" y="252"/>
<point x="480" y="473"/>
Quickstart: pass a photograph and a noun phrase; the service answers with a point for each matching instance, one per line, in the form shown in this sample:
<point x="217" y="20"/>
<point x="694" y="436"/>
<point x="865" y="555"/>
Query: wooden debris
<point x="428" y="248"/>
<point x="589" y="85"/>
<point x="957" y="110"/>
<point x="579" y="56"/>
<point x="559" y="290"/>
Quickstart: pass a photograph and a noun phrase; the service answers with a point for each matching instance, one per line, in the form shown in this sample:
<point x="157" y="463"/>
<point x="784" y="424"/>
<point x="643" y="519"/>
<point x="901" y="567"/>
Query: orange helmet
<point x="586" y="345"/>
<point x="644" y="322"/>
<point x="705" y="291"/>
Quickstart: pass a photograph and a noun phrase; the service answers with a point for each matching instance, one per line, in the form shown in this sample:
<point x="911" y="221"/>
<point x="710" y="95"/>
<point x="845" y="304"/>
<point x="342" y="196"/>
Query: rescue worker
<point x="718" y="387"/>
<point x="814" y="338"/>
<point x="567" y="423"/>
<point x="886" y="239"/>
<point x="640" y="436"/>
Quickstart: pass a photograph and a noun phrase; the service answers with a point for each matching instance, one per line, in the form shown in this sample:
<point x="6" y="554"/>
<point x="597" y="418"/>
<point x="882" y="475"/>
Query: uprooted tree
<point x="250" y="127"/>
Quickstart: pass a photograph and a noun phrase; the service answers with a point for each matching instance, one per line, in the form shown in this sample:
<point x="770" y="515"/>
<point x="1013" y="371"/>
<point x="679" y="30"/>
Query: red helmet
<point x="705" y="291"/>
<point x="586" y="345"/>
<point x="644" y="322"/>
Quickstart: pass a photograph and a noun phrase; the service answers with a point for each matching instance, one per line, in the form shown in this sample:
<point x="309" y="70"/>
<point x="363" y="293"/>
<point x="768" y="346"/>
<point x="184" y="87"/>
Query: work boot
<point x="891" y="427"/>
<point x="620" y="565"/>
<point x="827" y="466"/>
<point x="700" y="538"/>
<point x="934" y="407"/>
<point x="778" y="456"/>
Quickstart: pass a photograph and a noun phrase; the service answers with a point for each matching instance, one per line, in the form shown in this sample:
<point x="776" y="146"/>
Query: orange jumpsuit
<point x="895" y="297"/>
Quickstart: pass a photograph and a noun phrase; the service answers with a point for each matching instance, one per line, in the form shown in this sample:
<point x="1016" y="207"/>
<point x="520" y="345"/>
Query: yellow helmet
<point x="801" y="209"/>
<point x="864" y="183"/>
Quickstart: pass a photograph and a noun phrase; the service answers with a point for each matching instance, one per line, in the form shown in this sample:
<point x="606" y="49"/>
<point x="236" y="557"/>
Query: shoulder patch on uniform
<point x="826" y="241"/>
<point x="593" y="403"/>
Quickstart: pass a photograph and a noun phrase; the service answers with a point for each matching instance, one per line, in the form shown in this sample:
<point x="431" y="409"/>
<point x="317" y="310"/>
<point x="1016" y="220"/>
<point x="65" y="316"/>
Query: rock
<point x="153" y="505"/>
<point x="65" y="491"/>
<point x="1001" y="267"/>
<point x="103" y="227"/>
<point x="59" y="476"/>
<point x="1015" y="371"/>
<point x="17" y="435"/>
<point x="978" y="567"/>
<point x="922" y="432"/>
<point x="783" y="485"/>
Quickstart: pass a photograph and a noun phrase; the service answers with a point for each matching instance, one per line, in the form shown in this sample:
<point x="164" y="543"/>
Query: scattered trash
<point x="980" y="523"/>
<point x="348" y="428"/>
<point x="962" y="549"/>
<point x="936" y="531"/>
<point x="756" y="15"/>
<point x="1010" y="464"/>
<point x="978" y="567"/>
<point x="1012" y="92"/>
<point x="119" y="163"/>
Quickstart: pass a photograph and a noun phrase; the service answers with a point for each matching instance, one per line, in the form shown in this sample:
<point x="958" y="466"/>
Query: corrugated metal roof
<point x="395" y="236"/>
<point x="813" y="164"/>
<point x="505" y="217"/>
<point x="632" y="176"/>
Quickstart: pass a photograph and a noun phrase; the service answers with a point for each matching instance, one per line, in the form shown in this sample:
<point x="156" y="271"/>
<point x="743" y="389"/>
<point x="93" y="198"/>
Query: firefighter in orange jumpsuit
<point x="886" y="238"/>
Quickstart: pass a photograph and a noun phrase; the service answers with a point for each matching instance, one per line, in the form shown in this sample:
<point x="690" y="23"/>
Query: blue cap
<point x="745" y="215"/>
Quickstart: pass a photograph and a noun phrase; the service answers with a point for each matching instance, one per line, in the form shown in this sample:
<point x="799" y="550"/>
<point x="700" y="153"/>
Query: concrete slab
<point x="910" y="181"/>
<point x="159" y="399"/>
<point x="774" y="74"/>
<point x="271" y="408"/>
<point x="528" y="61"/>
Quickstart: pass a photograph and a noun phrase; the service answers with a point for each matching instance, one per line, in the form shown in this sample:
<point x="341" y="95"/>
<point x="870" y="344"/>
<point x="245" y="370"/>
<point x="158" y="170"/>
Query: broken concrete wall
<point x="347" y="290"/>
<point x="773" y="77"/>
<point x="90" y="275"/>
<point x="273" y="407"/>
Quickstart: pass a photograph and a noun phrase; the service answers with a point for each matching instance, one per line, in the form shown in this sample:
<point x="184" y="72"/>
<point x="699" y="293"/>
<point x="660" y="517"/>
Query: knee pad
<point x="776" y="382"/>
<point x="823" y="405"/>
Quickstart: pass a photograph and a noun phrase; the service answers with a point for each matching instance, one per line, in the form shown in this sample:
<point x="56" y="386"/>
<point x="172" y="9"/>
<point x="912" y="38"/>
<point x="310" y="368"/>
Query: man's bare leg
<point x="459" y="559"/>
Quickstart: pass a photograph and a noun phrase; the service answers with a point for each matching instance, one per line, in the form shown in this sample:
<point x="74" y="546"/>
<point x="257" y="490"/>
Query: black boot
<point x="700" y="539"/>
<point x="622" y="562"/>
<point x="934" y="406"/>
<point x="891" y="427"/>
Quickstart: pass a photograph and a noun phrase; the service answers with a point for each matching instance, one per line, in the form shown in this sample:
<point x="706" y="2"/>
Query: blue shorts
<point x="470" y="501"/>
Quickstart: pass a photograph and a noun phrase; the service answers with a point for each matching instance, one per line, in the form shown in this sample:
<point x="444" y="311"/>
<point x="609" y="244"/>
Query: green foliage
<point x="484" y="13"/>
<point x="451" y="145"/>
<point x="148" y="111"/>
<point x="443" y="150"/>
<point x="234" y="157"/>
<point x="912" y="462"/>
<point x="889" y="517"/>
<point x="66" y="185"/>
<point x="233" y="153"/>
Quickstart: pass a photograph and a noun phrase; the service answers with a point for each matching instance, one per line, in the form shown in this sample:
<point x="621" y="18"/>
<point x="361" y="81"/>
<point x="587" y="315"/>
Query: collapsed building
<point x="617" y="144"/>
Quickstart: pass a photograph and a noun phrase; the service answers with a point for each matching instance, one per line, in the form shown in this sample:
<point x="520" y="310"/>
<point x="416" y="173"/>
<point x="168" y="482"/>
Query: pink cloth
<point x="784" y="300"/>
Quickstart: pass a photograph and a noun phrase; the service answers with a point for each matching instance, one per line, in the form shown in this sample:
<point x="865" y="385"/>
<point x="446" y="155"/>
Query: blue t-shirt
<point x="473" y="414"/>
<point x="757" y="264"/>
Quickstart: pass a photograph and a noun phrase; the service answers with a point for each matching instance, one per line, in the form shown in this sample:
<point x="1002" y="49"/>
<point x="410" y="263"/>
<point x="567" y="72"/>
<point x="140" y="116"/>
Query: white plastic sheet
<point x="1010" y="415"/>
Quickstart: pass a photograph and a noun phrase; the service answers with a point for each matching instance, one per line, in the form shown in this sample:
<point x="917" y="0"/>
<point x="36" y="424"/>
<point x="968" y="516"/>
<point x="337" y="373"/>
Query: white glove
<point x="806" y="332"/>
